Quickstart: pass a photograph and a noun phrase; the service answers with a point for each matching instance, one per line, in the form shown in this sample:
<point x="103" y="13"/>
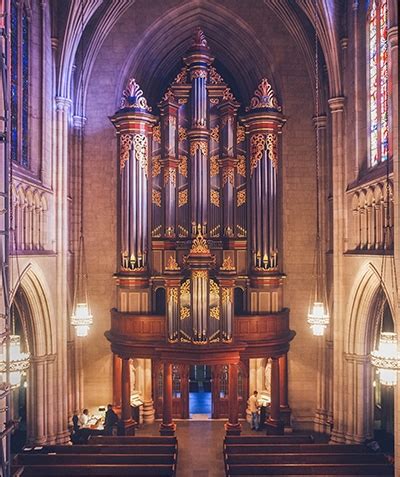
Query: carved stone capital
<point x="336" y="104"/>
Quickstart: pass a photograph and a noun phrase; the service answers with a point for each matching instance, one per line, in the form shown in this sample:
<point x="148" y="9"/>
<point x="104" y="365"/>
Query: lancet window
<point x="19" y="80"/>
<point x="378" y="81"/>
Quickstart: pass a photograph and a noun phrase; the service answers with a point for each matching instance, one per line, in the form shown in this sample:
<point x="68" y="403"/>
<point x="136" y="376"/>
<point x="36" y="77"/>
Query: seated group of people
<point x="82" y="429"/>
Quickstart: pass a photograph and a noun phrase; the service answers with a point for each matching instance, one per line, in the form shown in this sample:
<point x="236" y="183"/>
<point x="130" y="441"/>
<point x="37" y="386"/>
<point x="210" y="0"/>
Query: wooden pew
<point x="310" y="469"/>
<point x="117" y="440"/>
<point x="78" y="459"/>
<point x="106" y="449"/>
<point x="288" y="439"/>
<point x="294" y="448"/>
<point x="97" y="470"/>
<point x="303" y="458"/>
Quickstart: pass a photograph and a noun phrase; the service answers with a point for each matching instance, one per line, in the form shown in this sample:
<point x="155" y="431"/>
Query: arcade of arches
<point x="181" y="135"/>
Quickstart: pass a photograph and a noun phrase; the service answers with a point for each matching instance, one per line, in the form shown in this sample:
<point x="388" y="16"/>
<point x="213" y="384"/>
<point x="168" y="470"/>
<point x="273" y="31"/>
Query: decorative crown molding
<point x="132" y="97"/>
<point x="264" y="97"/>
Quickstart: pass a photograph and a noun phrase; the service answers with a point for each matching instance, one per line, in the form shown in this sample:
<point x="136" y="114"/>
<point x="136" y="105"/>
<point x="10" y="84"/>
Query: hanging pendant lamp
<point x="18" y="362"/>
<point x="386" y="358"/>
<point x="81" y="317"/>
<point x="318" y="313"/>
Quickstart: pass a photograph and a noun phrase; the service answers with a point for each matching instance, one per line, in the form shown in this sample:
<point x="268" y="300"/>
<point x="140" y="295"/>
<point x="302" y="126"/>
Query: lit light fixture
<point x="318" y="318"/>
<point x="81" y="317"/>
<point x="318" y="313"/>
<point x="18" y="362"/>
<point x="387" y="358"/>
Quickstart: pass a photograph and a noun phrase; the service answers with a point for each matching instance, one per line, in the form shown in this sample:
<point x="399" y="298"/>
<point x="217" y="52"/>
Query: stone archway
<point x="366" y="295"/>
<point x="34" y="312"/>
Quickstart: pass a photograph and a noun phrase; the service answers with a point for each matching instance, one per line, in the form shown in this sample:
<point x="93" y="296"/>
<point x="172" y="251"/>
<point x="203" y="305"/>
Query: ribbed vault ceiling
<point x="240" y="58"/>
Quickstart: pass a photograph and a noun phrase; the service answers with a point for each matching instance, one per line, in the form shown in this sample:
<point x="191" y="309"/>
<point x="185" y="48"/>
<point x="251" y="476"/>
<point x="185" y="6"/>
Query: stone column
<point x="61" y="213"/>
<point x="167" y="427"/>
<point x="274" y="424"/>
<point x="37" y="394"/>
<point x="148" y="407"/>
<point x="339" y="215"/>
<point x="117" y="386"/>
<point x="127" y="423"/>
<point x="232" y="427"/>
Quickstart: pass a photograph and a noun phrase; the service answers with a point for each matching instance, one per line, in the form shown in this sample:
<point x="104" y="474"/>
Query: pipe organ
<point x="199" y="202"/>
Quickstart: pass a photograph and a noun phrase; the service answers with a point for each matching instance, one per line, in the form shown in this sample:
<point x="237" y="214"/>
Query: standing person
<point x="254" y="407"/>
<point x="110" y="420"/>
<point x="84" y="418"/>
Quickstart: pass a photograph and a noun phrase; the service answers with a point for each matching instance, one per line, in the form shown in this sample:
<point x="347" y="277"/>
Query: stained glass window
<point x="19" y="79"/>
<point x="378" y="81"/>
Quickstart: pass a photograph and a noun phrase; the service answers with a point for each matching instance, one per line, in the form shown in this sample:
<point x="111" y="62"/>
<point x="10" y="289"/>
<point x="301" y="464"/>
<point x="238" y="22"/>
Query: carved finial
<point x="264" y="97"/>
<point x="199" y="38"/>
<point x="199" y="245"/>
<point x="132" y="96"/>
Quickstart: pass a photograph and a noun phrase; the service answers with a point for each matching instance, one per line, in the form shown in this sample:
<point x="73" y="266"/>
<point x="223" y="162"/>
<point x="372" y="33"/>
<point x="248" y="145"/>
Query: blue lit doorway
<point x="200" y="391"/>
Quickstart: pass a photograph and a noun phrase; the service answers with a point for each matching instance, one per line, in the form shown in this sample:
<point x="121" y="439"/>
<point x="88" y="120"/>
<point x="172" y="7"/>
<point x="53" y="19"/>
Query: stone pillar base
<point x="167" y="429"/>
<point x="286" y="413"/>
<point x="233" y="429"/>
<point x="148" y="412"/>
<point x="63" y="437"/>
<point x="127" y="428"/>
<point x="337" y="437"/>
<point x="274" y="428"/>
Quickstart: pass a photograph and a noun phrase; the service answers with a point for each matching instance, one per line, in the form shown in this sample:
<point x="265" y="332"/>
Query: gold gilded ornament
<point x="214" y="197"/>
<point x="201" y="145"/>
<point x="182" y="133"/>
<point x="170" y="176"/>
<point x="172" y="264"/>
<point x="181" y="76"/>
<point x="264" y="97"/>
<point x="257" y="145"/>
<point x="214" y="312"/>
<point x="228" y="175"/>
<point x="183" y="166"/>
<point x="126" y="142"/>
<point x="226" y="295"/>
<point x="241" y="197"/>
<point x="140" y="148"/>
<point x="214" y="166"/>
<point x="241" y="165"/>
<point x="132" y="96"/>
<point x="199" y="244"/>
<point x="240" y="134"/>
<point x="182" y="198"/>
<point x="272" y="145"/>
<point x="227" y="265"/>
<point x="173" y="295"/>
<point x="157" y="133"/>
<point x="215" y="77"/>
<point x="214" y="134"/>
<point x="156" y="197"/>
<point x="155" y="166"/>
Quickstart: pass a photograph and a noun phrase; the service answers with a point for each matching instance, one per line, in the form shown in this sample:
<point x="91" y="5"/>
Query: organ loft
<point x="199" y="278"/>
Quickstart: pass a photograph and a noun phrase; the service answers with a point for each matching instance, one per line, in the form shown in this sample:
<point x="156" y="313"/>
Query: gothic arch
<point x="34" y="299"/>
<point x="37" y="297"/>
<point x="175" y="29"/>
<point x="361" y="332"/>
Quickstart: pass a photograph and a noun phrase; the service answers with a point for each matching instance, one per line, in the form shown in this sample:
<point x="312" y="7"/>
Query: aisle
<point x="199" y="447"/>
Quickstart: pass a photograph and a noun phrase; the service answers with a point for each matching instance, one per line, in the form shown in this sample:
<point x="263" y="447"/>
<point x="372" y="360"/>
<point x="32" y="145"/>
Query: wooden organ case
<point x="199" y="277"/>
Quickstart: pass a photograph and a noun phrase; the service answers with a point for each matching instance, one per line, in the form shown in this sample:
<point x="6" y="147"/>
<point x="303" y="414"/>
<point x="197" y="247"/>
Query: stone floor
<point x="199" y="446"/>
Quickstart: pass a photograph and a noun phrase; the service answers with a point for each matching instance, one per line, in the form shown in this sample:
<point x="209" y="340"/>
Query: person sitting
<point x="111" y="419"/>
<point x="254" y="407"/>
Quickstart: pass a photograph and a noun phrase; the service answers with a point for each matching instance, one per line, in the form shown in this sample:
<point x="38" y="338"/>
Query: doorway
<point x="200" y="391"/>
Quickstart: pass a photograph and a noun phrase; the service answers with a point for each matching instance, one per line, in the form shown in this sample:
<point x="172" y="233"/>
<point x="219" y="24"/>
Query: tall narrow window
<point x="378" y="82"/>
<point x="19" y="83"/>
